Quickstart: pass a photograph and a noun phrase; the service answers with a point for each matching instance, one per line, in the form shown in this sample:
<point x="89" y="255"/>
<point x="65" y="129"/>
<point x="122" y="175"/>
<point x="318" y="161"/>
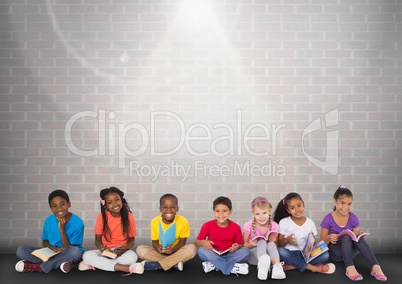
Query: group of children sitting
<point x="273" y="245"/>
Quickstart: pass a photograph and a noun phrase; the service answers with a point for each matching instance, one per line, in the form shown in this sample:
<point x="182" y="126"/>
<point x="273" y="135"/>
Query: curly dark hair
<point x="125" y="210"/>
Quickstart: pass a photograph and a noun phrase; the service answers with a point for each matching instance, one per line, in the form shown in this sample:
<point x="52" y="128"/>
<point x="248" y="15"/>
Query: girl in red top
<point x="115" y="232"/>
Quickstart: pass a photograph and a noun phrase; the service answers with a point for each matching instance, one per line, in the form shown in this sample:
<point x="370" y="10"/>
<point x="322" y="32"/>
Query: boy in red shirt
<point x="220" y="241"/>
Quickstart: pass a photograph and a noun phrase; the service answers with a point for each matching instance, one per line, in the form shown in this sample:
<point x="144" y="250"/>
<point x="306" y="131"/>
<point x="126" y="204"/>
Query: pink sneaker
<point x="83" y="266"/>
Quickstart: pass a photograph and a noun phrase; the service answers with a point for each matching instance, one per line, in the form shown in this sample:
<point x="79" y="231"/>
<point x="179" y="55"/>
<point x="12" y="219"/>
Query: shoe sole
<point x="18" y="264"/>
<point x="66" y="268"/>
<point x="264" y="271"/>
<point x="262" y="274"/>
<point x="180" y="266"/>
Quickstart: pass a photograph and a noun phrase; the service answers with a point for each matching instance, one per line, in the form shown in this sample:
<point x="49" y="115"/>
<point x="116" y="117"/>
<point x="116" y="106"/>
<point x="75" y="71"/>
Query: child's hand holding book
<point x="167" y="250"/>
<point x="207" y="244"/>
<point x="234" y="247"/>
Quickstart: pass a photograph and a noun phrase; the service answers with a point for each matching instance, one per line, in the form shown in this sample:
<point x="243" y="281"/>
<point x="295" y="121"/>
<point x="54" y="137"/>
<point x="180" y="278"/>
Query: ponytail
<point x="281" y="210"/>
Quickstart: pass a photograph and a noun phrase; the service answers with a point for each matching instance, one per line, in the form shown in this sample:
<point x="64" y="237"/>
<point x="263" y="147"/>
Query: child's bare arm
<point x="205" y="243"/>
<point x="157" y="246"/>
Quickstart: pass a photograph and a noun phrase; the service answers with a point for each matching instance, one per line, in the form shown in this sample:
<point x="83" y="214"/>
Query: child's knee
<point x="191" y="249"/>
<point x="141" y="251"/>
<point x="131" y="255"/>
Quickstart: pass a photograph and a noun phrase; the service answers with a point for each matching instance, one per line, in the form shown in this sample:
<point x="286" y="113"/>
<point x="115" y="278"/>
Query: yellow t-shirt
<point x="182" y="228"/>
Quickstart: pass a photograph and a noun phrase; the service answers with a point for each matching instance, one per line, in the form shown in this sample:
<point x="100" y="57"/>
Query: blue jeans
<point x="346" y="249"/>
<point x="69" y="254"/>
<point x="296" y="259"/>
<point x="225" y="262"/>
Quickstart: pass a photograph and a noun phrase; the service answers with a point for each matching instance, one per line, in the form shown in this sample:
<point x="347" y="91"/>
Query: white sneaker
<point x="277" y="272"/>
<point x="240" y="268"/>
<point x="208" y="267"/>
<point x="179" y="266"/>
<point x="264" y="263"/>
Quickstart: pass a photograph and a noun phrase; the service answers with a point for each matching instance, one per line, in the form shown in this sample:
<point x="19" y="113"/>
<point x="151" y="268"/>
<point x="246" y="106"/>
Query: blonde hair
<point x="260" y="202"/>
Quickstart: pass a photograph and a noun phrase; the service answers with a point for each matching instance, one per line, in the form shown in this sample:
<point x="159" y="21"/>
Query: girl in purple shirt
<point x="344" y="248"/>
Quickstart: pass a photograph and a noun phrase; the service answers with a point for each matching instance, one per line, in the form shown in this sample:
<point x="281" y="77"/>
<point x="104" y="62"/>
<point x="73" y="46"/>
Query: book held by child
<point x="45" y="253"/>
<point x="266" y="237"/>
<point x="109" y="254"/>
<point x="352" y="235"/>
<point x="220" y="253"/>
<point x="168" y="236"/>
<point x="311" y="250"/>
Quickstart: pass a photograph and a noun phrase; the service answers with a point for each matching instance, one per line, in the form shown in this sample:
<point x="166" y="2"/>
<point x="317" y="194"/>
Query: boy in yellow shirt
<point x="165" y="254"/>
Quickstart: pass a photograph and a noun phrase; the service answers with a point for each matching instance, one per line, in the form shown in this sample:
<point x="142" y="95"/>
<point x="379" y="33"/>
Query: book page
<point x="44" y="253"/>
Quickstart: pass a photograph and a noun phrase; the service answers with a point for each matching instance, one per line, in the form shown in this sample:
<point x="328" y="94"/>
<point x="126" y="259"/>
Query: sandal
<point x="331" y="268"/>
<point x="357" y="277"/>
<point x="380" y="277"/>
<point x="287" y="267"/>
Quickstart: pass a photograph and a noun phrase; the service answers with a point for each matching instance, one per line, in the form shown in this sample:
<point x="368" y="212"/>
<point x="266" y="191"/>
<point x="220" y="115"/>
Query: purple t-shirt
<point x="329" y="223"/>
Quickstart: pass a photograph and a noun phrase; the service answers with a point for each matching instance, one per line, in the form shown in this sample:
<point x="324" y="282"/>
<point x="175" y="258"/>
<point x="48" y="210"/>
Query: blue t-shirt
<point x="74" y="231"/>
<point x="329" y="223"/>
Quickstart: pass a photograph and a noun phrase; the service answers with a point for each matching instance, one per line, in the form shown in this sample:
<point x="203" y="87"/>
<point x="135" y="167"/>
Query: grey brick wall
<point x="254" y="97"/>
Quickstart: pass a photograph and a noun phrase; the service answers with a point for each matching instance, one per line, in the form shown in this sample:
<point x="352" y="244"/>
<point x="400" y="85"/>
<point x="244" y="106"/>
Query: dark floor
<point x="391" y="264"/>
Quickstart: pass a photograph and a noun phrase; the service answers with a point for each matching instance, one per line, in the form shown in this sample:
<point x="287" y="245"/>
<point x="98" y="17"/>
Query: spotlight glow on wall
<point x="195" y="9"/>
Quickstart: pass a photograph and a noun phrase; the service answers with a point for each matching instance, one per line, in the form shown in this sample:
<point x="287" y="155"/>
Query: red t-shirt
<point x="117" y="237"/>
<point x="222" y="238"/>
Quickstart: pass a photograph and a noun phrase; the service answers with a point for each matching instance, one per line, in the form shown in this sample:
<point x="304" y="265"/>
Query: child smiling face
<point x="168" y="208"/>
<point x="59" y="206"/>
<point x="113" y="203"/>
<point x="262" y="215"/>
<point x="295" y="207"/>
<point x="343" y="205"/>
<point x="222" y="213"/>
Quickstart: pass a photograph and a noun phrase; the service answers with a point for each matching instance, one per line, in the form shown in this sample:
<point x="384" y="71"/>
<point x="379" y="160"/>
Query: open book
<point x="266" y="237"/>
<point x="311" y="250"/>
<point x="44" y="253"/>
<point x="220" y="253"/>
<point x="352" y="235"/>
<point x="168" y="236"/>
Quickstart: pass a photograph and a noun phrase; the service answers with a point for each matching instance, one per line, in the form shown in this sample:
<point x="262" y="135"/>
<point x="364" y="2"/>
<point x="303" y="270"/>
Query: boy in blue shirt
<point x="62" y="232"/>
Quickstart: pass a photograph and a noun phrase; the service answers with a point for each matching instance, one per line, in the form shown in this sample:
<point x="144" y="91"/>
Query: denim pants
<point x="69" y="254"/>
<point x="346" y="249"/>
<point x="224" y="262"/>
<point x="296" y="259"/>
